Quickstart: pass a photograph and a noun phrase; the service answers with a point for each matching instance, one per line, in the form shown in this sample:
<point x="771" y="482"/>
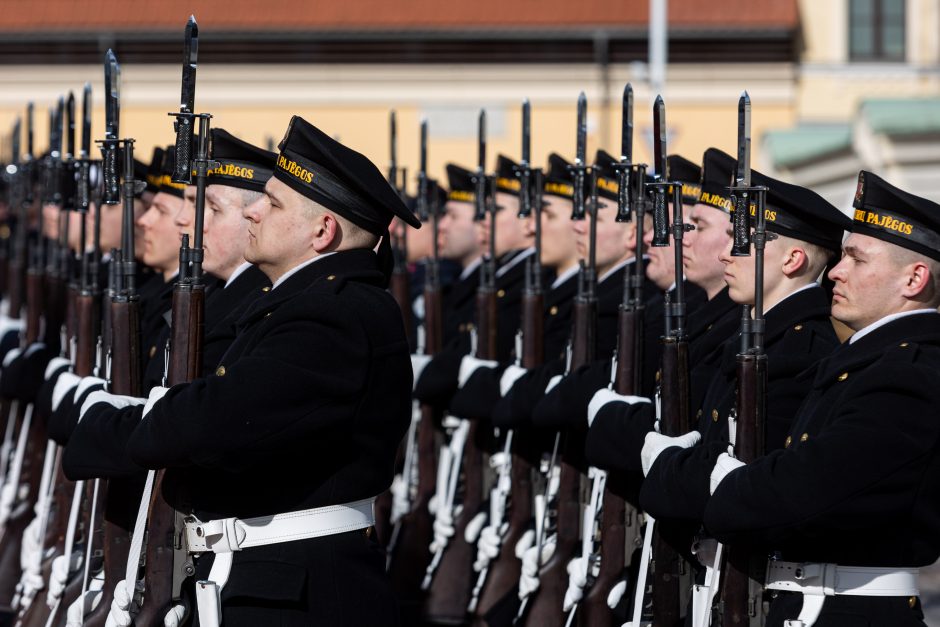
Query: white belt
<point x="226" y="535"/>
<point x="817" y="581"/>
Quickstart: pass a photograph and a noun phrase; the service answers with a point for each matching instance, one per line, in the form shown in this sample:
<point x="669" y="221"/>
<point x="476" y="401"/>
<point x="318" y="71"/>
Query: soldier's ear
<point x="795" y="261"/>
<point x="326" y="232"/>
<point x="919" y="279"/>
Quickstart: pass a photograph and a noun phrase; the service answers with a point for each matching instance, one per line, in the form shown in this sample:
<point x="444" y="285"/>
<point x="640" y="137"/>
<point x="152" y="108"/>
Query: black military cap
<point x="717" y="173"/>
<point x="608" y="185"/>
<point x="241" y="164"/>
<point x="506" y="179"/>
<point x="800" y="213"/>
<point x="317" y="166"/>
<point x="460" y="184"/>
<point x="432" y="189"/>
<point x="163" y="181"/>
<point x="890" y="214"/>
<point x="683" y="171"/>
<point x="559" y="179"/>
<point x="154" y="170"/>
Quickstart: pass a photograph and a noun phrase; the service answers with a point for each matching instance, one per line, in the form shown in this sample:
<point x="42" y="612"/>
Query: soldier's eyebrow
<point x="853" y="251"/>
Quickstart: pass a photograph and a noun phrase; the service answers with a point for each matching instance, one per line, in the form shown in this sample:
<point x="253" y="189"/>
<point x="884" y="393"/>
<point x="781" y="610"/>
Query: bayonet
<point x="580" y="160"/>
<point x="524" y="169"/>
<point x="393" y="149"/>
<point x="623" y="169"/>
<point x="83" y="185"/>
<point x="185" y="118"/>
<point x="423" y="174"/>
<point x="741" y="224"/>
<point x="70" y="126"/>
<point x="110" y="168"/>
<point x="480" y="175"/>
<point x="660" y="216"/>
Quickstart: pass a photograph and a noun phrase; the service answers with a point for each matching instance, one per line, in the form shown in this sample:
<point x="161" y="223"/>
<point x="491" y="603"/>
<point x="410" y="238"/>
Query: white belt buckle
<point x="224" y="535"/>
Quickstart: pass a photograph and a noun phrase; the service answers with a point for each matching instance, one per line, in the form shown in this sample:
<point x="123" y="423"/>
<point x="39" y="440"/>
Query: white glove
<point x="418" y="362"/>
<point x="32" y="348"/>
<point x="704" y="550"/>
<point x="656" y="443"/>
<point x="510" y="375"/>
<point x="724" y="466"/>
<point x="122" y="606"/>
<point x="118" y="401"/>
<point x="86" y="384"/>
<point x="616" y="593"/>
<point x="176" y="615"/>
<point x="156" y="393"/>
<point x="12" y="354"/>
<point x="577" y="579"/>
<point x="8" y="325"/>
<point x="525" y="543"/>
<point x="83" y="606"/>
<point x="553" y="382"/>
<point x="487" y="546"/>
<point x="604" y="396"/>
<point x="65" y="384"/>
<point x="56" y="363"/>
<point x="470" y="364"/>
<point x="472" y="531"/>
<point x="443" y="529"/>
<point x="59" y="575"/>
<point x="529" y="578"/>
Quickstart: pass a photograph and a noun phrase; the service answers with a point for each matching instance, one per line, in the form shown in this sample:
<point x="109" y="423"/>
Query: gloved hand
<point x="604" y="396"/>
<point x="63" y="386"/>
<point x="176" y="615"/>
<point x="118" y="401"/>
<point x="156" y="393"/>
<point x="553" y="382"/>
<point x="59" y="575"/>
<point x="529" y="578"/>
<point x="577" y="579"/>
<point x="123" y="605"/>
<point x="616" y="594"/>
<point x="470" y="364"/>
<point x="12" y="355"/>
<point x="418" y="362"/>
<point x="510" y="375"/>
<point x="472" y="531"/>
<point x="724" y="466"/>
<point x="656" y="443"/>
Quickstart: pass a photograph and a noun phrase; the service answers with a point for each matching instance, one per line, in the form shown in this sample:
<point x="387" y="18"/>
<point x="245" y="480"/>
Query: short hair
<point x="904" y="257"/>
<point x="353" y="236"/>
<point x="817" y="257"/>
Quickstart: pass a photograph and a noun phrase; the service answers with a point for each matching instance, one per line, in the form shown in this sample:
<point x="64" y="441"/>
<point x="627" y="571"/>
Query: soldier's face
<point x="281" y="232"/>
<point x="559" y="242"/>
<point x="75" y="226"/>
<point x="615" y="240"/>
<point x="161" y="239"/>
<point x="185" y="218"/>
<point x="110" y="227"/>
<point x="419" y="240"/>
<point x="702" y="246"/>
<point x="869" y="282"/>
<point x="510" y="230"/>
<point x="661" y="263"/>
<point x="225" y="230"/>
<point x="457" y="233"/>
<point x="50" y="220"/>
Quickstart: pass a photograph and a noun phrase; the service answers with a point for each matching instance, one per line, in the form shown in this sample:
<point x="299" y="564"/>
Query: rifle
<point x="743" y="570"/>
<point x="616" y="514"/>
<point x="668" y="567"/>
<point x="408" y="549"/>
<point x="452" y="565"/>
<point x="514" y="483"/>
<point x="546" y="605"/>
<point x="398" y="285"/>
<point x="165" y="566"/>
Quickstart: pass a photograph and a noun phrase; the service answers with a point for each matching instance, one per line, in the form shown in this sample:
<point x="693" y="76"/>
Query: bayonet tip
<point x="526" y="103"/>
<point x="627" y="89"/>
<point x="582" y="98"/>
<point x="659" y="99"/>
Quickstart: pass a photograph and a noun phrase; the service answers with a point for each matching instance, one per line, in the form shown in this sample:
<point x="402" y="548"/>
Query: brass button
<point x="698" y="414"/>
<point x="553" y="311"/>
<point x="715" y="415"/>
<point x="266" y="288"/>
<point x="787" y="442"/>
<point x="267" y="315"/>
<point x="843" y="376"/>
<point x="153" y="351"/>
<point x="369" y="531"/>
<point x="798" y="327"/>
<point x="220" y="371"/>
<point x="911" y="602"/>
<point x="500" y="293"/>
<point x="331" y="277"/>
<point x="709" y="327"/>
<point x="804" y="437"/>
<point x="905" y="345"/>
<point x="659" y="374"/>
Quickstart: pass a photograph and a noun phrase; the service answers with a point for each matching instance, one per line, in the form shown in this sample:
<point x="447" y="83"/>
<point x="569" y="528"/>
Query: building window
<point x="876" y="30"/>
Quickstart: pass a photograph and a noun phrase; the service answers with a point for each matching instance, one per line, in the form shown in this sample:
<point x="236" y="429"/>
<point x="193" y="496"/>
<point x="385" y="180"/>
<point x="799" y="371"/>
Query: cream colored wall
<point x="352" y="102"/>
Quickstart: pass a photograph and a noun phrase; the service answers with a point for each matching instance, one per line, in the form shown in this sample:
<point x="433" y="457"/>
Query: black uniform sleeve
<point x="857" y="468"/>
<point x="97" y="446"/>
<point x="479" y="395"/>
<point x="515" y="409"/>
<point x="565" y="406"/>
<point x="616" y="436"/>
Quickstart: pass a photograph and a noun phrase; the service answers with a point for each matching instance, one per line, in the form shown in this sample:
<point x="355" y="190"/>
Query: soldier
<point x="312" y="397"/>
<point x="852" y="497"/>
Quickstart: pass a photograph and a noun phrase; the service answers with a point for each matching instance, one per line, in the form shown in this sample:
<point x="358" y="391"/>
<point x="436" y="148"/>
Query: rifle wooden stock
<point x="12" y="532"/>
<point x="740" y="599"/>
<point x="412" y="552"/>
<point x="505" y="569"/>
<point x="54" y="308"/>
<point x="16" y="285"/>
<point x="34" y="289"/>
<point x="399" y="286"/>
<point x="185" y="365"/>
<point x="86" y="307"/>
<point x="125" y="379"/>
<point x="71" y="314"/>
<point x="453" y="583"/>
<point x="546" y="607"/>
<point x="594" y="611"/>
<point x="667" y="565"/>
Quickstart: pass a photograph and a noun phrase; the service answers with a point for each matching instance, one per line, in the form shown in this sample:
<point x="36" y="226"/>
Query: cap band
<point x="556" y="188"/>
<point x="239" y="174"/>
<point x="896" y="229"/>
<point x="716" y="201"/>
<point x="460" y="195"/>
